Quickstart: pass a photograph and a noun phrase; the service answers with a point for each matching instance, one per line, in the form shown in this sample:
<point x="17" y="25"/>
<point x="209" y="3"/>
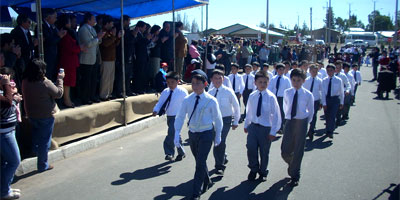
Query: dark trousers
<point x="118" y="85"/>
<point x="219" y="151"/>
<point x="139" y="76"/>
<point x="332" y="104"/>
<point x="237" y="96"/>
<point x="346" y="106"/>
<point x="280" y="102"/>
<point x="314" y="119"/>
<point x="169" y="146"/>
<point x="375" y="70"/>
<point x="246" y="94"/>
<point x="258" y="145"/>
<point x="292" y="147"/>
<point x="200" y="144"/>
<point x="87" y="82"/>
<point x="355" y="91"/>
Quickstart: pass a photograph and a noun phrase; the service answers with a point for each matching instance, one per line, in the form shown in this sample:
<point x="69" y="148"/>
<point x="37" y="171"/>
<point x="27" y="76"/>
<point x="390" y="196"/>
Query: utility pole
<point x="373" y="26"/>
<point x="202" y="19"/>
<point x="298" y="24"/>
<point x="326" y="27"/>
<point x="349" y="11"/>
<point x="267" y="24"/>
<point x="329" y="22"/>
<point x="396" y="24"/>
<point x="311" y="23"/>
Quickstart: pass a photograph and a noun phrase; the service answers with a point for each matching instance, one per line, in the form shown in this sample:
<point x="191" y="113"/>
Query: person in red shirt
<point x="384" y="59"/>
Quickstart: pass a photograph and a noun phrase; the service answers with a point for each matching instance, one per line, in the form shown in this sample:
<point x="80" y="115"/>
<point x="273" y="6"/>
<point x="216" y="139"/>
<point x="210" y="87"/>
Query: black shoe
<point x="96" y="100"/>
<point x="169" y="158"/>
<point x="112" y="97"/>
<point x="330" y="135"/>
<point x="311" y="136"/>
<point x="252" y="176"/>
<point x="219" y="172"/>
<point x="293" y="182"/>
<point x="226" y="161"/>
<point x="206" y="187"/>
<point x="195" y="198"/>
<point x="262" y="178"/>
<point x="67" y="106"/>
<point x="180" y="157"/>
<point x="104" y="99"/>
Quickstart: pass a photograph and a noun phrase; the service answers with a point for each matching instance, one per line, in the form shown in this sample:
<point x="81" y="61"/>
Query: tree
<point x="304" y="30"/>
<point x="195" y="27"/>
<point x="330" y="15"/>
<point x="340" y="24"/>
<point x="382" y="22"/>
<point x="178" y="17"/>
<point x="262" y="25"/>
<point x="271" y="26"/>
<point x="186" y="24"/>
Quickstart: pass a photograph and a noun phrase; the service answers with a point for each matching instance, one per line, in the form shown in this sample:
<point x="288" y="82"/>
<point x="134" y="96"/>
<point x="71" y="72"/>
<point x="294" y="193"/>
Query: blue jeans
<point x="10" y="160"/>
<point x="42" y="130"/>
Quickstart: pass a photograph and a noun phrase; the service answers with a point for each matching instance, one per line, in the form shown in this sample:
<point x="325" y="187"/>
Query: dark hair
<point x="220" y="67"/>
<point x="5" y="38"/>
<point x="62" y="21"/>
<point x="87" y="17"/>
<point x="125" y="18"/>
<point x="298" y="73"/>
<point x="303" y="62"/>
<point x="235" y="65"/>
<point x="221" y="45"/>
<point x="279" y="65"/>
<point x="47" y="12"/>
<point x="248" y="65"/>
<point x="331" y="66"/>
<point x="22" y="18"/>
<point x="217" y="71"/>
<point x="178" y="24"/>
<point x="265" y="65"/>
<point x="313" y="67"/>
<point x="140" y="24"/>
<point x="256" y="63"/>
<point x="35" y="71"/>
<point x="154" y="29"/>
<point x="320" y="62"/>
<point x="345" y="64"/>
<point x="261" y="74"/>
<point x="172" y="75"/>
<point x="194" y="42"/>
<point x="354" y="65"/>
<point x="286" y="62"/>
<point x="295" y="63"/>
<point x="338" y="62"/>
<point x="107" y="19"/>
<point x="199" y="77"/>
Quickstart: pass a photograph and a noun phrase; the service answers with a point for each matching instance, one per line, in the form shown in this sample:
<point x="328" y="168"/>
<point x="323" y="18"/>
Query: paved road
<point x="361" y="162"/>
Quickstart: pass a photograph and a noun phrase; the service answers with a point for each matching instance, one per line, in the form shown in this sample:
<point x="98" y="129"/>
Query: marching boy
<point x="204" y="117"/>
<point x="314" y="84"/>
<point x="237" y="81"/>
<point x="169" y="103"/>
<point x="229" y="106"/>
<point x="249" y="86"/>
<point x="298" y="104"/>
<point x="263" y="120"/>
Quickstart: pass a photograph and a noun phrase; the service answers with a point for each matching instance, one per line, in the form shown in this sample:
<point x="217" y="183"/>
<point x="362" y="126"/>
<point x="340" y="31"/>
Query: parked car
<point x="360" y="43"/>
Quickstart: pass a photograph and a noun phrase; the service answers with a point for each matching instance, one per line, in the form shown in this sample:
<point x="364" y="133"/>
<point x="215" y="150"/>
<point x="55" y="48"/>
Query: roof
<point x="387" y="34"/>
<point x="355" y="29"/>
<point x="135" y="8"/>
<point x="244" y="29"/>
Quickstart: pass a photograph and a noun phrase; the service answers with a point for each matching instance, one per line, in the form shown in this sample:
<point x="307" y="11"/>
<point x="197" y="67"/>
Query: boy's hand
<point x="271" y="137"/>
<point x="154" y="113"/>
<point x="234" y="127"/>
<point x="245" y="130"/>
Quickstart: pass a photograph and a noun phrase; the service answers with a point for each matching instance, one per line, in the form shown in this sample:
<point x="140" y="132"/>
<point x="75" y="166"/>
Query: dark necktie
<point x="355" y="76"/>
<point x="277" y="86"/>
<point x="164" y="106"/>
<point x="234" y="83"/>
<point x="216" y="94"/>
<point x="195" y="106"/>
<point x="259" y="105"/>
<point x="312" y="85"/>
<point x="294" y="106"/>
<point x="247" y="83"/>
<point x="329" y="88"/>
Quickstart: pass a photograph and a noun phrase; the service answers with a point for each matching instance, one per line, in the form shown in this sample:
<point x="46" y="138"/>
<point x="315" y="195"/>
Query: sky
<point x="223" y="13"/>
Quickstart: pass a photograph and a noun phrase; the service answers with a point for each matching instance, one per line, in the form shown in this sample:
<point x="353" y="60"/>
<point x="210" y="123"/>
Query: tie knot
<point x="197" y="97"/>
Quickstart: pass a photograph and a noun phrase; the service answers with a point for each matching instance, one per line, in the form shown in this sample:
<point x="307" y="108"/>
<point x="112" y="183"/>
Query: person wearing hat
<point x="160" y="79"/>
<point x="204" y="117"/>
<point x="194" y="64"/>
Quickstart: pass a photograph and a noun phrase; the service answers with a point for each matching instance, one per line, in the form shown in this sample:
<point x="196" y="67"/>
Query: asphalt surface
<point x="361" y="162"/>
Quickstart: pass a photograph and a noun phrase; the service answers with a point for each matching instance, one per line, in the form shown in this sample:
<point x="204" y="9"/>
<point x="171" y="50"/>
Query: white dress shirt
<point x="178" y="94"/>
<point x="250" y="84"/>
<point x="206" y="115"/>
<point x="270" y="112"/>
<point x="239" y="84"/>
<point x="270" y="75"/>
<point x="228" y="103"/>
<point x="284" y="84"/>
<point x="226" y="82"/>
<point x="352" y="82"/>
<point x="337" y="89"/>
<point x="345" y="81"/>
<point x="323" y="73"/>
<point x="305" y="104"/>
<point x="357" y="75"/>
<point x="317" y="88"/>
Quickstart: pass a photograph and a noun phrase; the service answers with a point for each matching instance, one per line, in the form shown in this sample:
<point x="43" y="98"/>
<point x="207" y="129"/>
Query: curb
<point x="29" y="165"/>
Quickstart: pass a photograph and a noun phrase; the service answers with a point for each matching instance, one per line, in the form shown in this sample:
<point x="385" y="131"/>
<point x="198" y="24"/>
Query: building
<point x="321" y="34"/>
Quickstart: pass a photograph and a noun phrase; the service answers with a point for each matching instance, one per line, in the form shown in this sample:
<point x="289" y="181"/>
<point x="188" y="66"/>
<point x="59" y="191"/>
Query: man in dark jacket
<point x="166" y="48"/>
<point x="142" y="58"/>
<point x="223" y="57"/>
<point x="23" y="38"/>
<point x="386" y="82"/>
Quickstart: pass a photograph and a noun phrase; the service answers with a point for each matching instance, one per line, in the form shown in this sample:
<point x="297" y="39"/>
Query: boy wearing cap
<point x="160" y="79"/>
<point x="236" y="80"/>
<point x="262" y="121"/>
<point x="170" y="100"/>
<point x="204" y="117"/>
<point x="298" y="105"/>
<point x="229" y="106"/>
<point x="278" y="84"/>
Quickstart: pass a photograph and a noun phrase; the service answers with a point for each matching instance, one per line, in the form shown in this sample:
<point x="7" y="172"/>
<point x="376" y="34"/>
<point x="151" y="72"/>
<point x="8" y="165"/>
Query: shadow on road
<point x="242" y="191"/>
<point x="183" y="189"/>
<point x="279" y="190"/>
<point x="318" y="144"/>
<point x="394" y="194"/>
<point x="142" y="174"/>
